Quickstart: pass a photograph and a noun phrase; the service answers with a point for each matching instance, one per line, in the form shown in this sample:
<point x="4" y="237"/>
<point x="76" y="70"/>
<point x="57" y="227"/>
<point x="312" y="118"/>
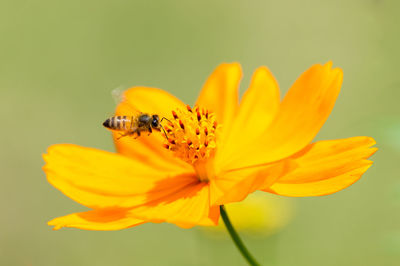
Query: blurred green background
<point x="59" y="61"/>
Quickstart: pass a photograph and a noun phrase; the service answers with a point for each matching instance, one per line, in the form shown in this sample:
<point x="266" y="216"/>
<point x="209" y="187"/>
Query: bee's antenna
<point x="165" y="133"/>
<point x="165" y="119"/>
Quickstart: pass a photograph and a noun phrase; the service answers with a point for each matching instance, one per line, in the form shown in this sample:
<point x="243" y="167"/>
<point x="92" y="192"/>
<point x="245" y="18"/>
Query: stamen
<point x="192" y="137"/>
<point x="181" y="124"/>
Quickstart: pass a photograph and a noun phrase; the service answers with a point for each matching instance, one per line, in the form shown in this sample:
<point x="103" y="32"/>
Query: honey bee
<point x="134" y="125"/>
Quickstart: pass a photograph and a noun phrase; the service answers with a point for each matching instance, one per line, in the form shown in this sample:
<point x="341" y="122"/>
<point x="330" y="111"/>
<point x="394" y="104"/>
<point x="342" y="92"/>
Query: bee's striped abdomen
<point x="122" y="123"/>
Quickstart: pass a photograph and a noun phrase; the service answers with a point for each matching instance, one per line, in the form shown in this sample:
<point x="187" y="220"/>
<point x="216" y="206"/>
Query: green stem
<point x="236" y="239"/>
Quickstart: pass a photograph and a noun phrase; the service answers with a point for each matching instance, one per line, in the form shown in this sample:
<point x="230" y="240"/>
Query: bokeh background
<point x="60" y="60"/>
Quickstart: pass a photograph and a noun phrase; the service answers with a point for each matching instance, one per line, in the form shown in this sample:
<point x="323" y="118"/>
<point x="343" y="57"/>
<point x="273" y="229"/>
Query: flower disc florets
<point x="192" y="134"/>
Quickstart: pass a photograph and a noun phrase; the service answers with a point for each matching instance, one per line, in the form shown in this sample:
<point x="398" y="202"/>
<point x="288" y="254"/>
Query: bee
<point x="134" y="125"/>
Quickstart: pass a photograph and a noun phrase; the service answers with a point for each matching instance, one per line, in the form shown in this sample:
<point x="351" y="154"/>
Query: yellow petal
<point x="148" y="149"/>
<point x="257" y="109"/>
<point x="234" y="186"/>
<point x="100" y="220"/>
<point x="100" y="179"/>
<point x="220" y="93"/>
<point x="321" y="187"/>
<point x="187" y="207"/>
<point x="302" y="113"/>
<point x="325" y="167"/>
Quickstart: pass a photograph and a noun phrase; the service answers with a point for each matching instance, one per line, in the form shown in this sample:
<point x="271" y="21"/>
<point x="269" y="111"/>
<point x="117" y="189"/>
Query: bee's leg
<point x="137" y="133"/>
<point x="121" y="135"/>
<point x="150" y="131"/>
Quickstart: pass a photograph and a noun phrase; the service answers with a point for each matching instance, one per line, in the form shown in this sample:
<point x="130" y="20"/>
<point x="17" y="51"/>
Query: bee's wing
<point x="118" y="94"/>
<point x="124" y="106"/>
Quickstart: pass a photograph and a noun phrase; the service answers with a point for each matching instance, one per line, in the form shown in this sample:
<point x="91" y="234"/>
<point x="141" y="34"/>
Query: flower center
<point x="192" y="137"/>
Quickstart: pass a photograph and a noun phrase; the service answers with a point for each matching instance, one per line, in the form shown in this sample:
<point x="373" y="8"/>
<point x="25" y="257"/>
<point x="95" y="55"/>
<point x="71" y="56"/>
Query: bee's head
<point x="155" y="122"/>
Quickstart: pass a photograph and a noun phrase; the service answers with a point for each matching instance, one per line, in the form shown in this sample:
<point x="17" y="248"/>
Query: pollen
<point x="192" y="136"/>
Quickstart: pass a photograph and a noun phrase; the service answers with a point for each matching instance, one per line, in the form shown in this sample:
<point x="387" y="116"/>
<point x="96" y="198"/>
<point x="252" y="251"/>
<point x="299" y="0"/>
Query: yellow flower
<point x="216" y="153"/>
<point x="259" y="215"/>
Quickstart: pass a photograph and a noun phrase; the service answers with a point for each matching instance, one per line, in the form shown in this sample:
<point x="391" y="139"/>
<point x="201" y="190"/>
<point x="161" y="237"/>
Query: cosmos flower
<point x="215" y="153"/>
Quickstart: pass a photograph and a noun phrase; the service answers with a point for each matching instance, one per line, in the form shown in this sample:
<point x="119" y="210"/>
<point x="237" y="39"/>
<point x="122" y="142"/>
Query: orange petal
<point x="257" y="109"/>
<point x="234" y="186"/>
<point x="101" y="220"/>
<point x="100" y="179"/>
<point x="302" y="113"/>
<point x="187" y="207"/>
<point x="325" y="167"/>
<point x="148" y="149"/>
<point x="220" y="93"/>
